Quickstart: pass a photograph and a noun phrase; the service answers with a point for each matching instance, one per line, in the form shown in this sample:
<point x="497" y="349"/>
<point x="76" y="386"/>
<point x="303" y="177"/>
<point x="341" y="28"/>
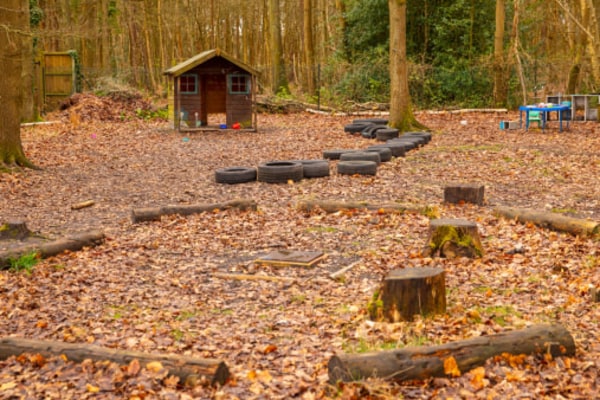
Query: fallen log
<point x="155" y="213"/>
<point x="190" y="370"/>
<point x="331" y="206"/>
<point x="550" y="220"/>
<point x="424" y="362"/>
<point x="72" y="242"/>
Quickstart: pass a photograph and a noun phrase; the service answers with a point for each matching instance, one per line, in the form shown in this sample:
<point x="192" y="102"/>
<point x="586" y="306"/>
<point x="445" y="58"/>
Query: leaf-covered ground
<point x="151" y="287"/>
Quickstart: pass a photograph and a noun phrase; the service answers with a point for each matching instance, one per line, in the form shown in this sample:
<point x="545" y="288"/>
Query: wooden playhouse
<point x="212" y="90"/>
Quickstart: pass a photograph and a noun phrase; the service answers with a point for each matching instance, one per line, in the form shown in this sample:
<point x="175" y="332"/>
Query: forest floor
<point x="151" y="287"/>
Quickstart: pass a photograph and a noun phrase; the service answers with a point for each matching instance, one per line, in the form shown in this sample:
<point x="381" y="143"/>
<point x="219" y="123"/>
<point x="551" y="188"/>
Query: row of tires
<point x="285" y="171"/>
<point x="351" y="161"/>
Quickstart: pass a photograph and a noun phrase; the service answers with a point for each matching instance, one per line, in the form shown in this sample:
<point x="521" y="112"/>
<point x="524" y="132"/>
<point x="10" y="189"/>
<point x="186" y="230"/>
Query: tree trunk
<point x="190" y="370"/>
<point x="500" y="78"/>
<point x="309" y="49"/>
<point x="401" y="114"/>
<point x="554" y="221"/>
<point x="425" y="362"/>
<point x="279" y="75"/>
<point x="14" y="53"/>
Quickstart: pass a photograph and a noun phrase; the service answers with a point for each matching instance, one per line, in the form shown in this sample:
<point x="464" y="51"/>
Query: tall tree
<point x="309" y="50"/>
<point x="500" y="87"/>
<point x="401" y="114"/>
<point x="278" y="67"/>
<point x="15" y="52"/>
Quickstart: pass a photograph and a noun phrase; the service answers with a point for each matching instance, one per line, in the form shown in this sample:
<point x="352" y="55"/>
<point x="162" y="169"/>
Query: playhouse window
<point x="239" y="84"/>
<point x="188" y="84"/>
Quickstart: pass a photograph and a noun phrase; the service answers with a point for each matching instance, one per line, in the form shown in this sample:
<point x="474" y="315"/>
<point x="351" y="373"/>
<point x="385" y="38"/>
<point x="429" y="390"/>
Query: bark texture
<point x="554" y="221"/>
<point x="411" y="291"/>
<point x="425" y="362"/>
<point x="190" y="370"/>
<point x="155" y="213"/>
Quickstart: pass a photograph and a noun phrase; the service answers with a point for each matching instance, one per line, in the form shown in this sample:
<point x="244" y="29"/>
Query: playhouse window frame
<point x="236" y="85"/>
<point x="188" y="84"/>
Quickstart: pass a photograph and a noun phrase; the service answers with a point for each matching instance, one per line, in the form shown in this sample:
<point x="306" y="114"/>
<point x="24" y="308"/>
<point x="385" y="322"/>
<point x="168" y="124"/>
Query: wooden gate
<point x="59" y="78"/>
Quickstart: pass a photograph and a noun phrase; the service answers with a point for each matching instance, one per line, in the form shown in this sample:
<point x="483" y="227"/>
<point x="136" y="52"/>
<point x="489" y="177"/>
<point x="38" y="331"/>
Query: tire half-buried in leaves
<point x="357" y="167"/>
<point x="233" y="175"/>
<point x="314" y="168"/>
<point x="280" y="171"/>
<point x="362" y="155"/>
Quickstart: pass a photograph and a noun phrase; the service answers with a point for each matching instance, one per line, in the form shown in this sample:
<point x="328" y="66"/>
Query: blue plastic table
<point x="545" y="112"/>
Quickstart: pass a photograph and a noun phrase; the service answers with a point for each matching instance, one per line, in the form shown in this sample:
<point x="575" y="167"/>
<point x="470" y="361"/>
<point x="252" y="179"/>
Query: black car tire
<point x="385" y="153"/>
<point x="357" y="167"/>
<point x="314" y="168"/>
<point x="384" y="135"/>
<point x="361" y="156"/>
<point x="280" y="172"/>
<point x="234" y="175"/>
<point x="335" y="154"/>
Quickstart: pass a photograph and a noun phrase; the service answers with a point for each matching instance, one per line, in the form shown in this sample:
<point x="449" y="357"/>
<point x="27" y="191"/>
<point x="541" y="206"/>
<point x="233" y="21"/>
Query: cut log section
<point x="424" y="362"/>
<point x="190" y="370"/>
<point x="14" y="230"/>
<point x="155" y="213"/>
<point x="72" y="242"/>
<point x="464" y="193"/>
<point x="550" y="220"/>
<point x="451" y="238"/>
<point x="331" y="206"/>
<point x="408" y="292"/>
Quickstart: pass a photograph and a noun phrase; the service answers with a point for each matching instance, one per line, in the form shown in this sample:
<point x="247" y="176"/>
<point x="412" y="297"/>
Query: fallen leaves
<point x="150" y="287"/>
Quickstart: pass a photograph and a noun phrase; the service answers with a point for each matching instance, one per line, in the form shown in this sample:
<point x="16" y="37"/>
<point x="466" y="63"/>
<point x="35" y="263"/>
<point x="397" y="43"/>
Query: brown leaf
<point x="134" y="367"/>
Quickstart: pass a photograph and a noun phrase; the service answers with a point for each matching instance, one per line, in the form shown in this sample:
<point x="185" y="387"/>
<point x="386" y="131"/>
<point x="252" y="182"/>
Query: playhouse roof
<point x="203" y="57"/>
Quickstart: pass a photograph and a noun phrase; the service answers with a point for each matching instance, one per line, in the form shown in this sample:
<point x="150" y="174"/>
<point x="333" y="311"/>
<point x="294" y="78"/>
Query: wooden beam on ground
<point x="72" y="242"/>
<point x="424" y="362"/>
<point x="190" y="370"/>
<point x="83" y="204"/>
<point x="248" y="277"/>
<point x="550" y="220"/>
<point x="331" y="206"/>
<point x="155" y="213"/>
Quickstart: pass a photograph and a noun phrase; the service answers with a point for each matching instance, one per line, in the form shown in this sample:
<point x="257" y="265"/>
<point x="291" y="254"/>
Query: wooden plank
<point x="286" y="258"/>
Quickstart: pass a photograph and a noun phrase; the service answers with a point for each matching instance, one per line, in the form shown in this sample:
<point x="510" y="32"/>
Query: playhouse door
<point x="213" y="92"/>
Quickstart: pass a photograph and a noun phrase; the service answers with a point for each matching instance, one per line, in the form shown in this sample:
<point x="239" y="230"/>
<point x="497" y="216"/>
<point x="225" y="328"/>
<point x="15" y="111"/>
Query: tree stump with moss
<point x="464" y="193"/>
<point x="409" y="292"/>
<point x="451" y="238"/>
<point x="15" y="230"/>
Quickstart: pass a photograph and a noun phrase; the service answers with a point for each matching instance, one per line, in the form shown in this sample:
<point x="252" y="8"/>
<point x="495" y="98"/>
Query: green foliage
<point x="367" y="24"/>
<point x="36" y="14"/>
<point x="78" y="71"/>
<point x="25" y="263"/>
<point x="448" y="41"/>
<point x="161" y="113"/>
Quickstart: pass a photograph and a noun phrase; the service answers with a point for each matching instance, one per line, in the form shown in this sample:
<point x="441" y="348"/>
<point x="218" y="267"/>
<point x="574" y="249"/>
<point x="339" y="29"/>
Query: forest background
<point x="462" y="53"/>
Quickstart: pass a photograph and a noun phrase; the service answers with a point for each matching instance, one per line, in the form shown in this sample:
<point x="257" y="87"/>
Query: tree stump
<point x="464" y="193"/>
<point x="451" y="238"/>
<point x="16" y="230"/>
<point x="408" y="292"/>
